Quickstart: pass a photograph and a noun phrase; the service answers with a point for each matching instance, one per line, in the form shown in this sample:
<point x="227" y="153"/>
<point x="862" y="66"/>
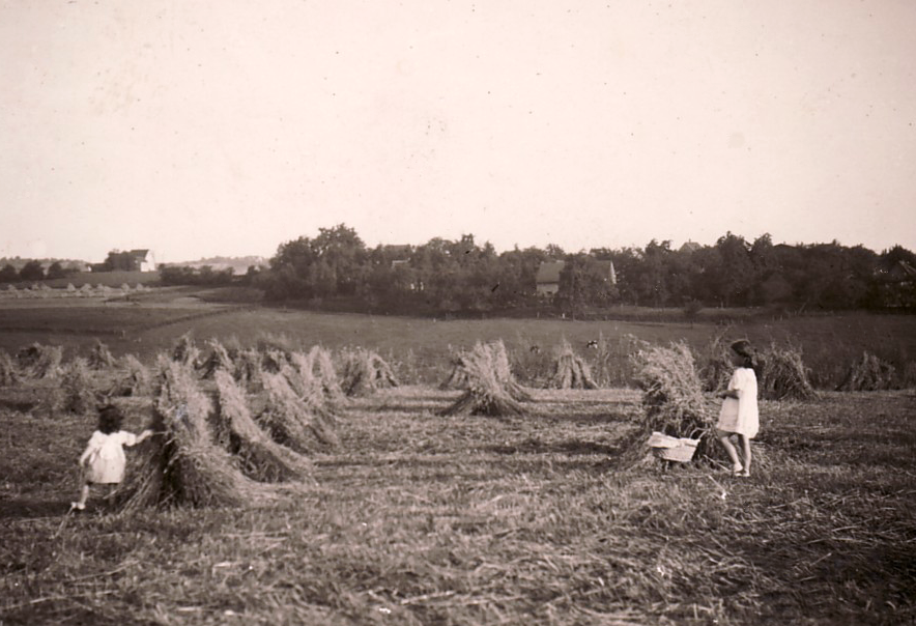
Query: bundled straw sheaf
<point x="784" y="375"/>
<point x="134" y="378"/>
<point x="320" y="363"/>
<point x="672" y="392"/>
<point x="869" y="373"/>
<point x="673" y="402"/>
<point x="38" y="361"/>
<point x="308" y="388"/>
<point x="247" y="370"/>
<point x="76" y="392"/>
<point x="182" y="466"/>
<point x="9" y="370"/>
<point x="100" y="356"/>
<point x="486" y="392"/>
<point x="289" y="420"/>
<point x="495" y="356"/>
<point x="570" y="371"/>
<point x="364" y="372"/>
<point x="219" y="360"/>
<point x="185" y="351"/>
<point x="257" y="455"/>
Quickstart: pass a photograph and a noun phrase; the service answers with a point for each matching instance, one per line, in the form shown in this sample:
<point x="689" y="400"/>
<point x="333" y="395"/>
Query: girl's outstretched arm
<point x="146" y="434"/>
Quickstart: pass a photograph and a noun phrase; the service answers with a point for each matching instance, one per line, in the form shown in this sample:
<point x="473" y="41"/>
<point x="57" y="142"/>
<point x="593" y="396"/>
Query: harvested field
<point x="417" y="518"/>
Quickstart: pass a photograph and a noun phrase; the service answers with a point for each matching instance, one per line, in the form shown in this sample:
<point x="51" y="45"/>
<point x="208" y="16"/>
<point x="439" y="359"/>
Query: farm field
<point x="147" y="323"/>
<point x="423" y="519"/>
<point x="419" y="518"/>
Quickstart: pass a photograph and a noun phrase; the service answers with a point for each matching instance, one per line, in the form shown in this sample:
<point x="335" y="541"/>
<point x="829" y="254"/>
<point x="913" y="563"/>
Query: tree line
<point x="336" y="268"/>
<point x="34" y="270"/>
<point x="464" y="276"/>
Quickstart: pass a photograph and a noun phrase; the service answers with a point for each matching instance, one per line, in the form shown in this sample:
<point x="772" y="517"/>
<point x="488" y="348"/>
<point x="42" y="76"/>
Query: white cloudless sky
<point x="199" y="128"/>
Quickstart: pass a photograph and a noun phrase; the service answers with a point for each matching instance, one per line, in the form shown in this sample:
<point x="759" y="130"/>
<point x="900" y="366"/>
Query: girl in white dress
<point x="103" y="461"/>
<point x="739" y="418"/>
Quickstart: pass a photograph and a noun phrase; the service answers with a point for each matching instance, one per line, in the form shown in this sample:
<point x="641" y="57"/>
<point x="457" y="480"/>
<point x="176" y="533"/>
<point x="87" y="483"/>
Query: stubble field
<point x="418" y="518"/>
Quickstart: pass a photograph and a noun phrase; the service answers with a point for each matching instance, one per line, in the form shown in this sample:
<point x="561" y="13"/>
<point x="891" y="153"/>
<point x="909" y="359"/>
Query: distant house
<point x="690" y="246"/>
<point x="547" y="280"/>
<point x="143" y="260"/>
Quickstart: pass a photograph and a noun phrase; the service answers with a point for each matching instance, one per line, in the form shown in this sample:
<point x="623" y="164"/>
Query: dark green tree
<point x="56" y="270"/>
<point x="32" y="271"/>
<point x="8" y="274"/>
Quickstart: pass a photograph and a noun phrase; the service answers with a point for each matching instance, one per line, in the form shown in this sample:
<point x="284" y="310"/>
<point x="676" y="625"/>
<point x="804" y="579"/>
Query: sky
<point x="199" y="128"/>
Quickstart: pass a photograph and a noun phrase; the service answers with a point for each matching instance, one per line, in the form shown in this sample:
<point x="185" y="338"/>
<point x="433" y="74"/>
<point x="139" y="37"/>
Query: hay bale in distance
<point x="39" y="361"/>
<point x="100" y="356"/>
<point x="784" y="375"/>
<point x="485" y="393"/>
<point x="134" y="378"/>
<point x="495" y="356"/>
<point x="364" y="372"/>
<point x="76" y="392"/>
<point x="185" y="351"/>
<point x="458" y="376"/>
<point x="570" y="371"/>
<point x="218" y="360"/>
<point x="869" y="373"/>
<point x="9" y="370"/>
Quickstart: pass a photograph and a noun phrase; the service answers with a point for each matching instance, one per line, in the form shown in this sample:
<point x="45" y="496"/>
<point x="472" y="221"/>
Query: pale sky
<point x="200" y="127"/>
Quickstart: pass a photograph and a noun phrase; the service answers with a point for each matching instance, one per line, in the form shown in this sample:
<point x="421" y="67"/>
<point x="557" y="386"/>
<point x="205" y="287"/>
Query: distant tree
<point x="8" y="274"/>
<point x="56" y="270"/>
<point x="251" y="276"/>
<point x="554" y="251"/>
<point x="333" y="263"/>
<point x="32" y="271"/>
<point x="120" y="262"/>
<point x="628" y="267"/>
<point x="735" y="275"/>
<point x="176" y="275"/>
<point x="891" y="258"/>
<point x="652" y="274"/>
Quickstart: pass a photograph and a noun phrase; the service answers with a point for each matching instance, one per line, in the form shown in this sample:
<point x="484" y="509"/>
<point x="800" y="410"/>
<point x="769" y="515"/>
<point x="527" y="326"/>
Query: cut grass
<point x="420" y="519"/>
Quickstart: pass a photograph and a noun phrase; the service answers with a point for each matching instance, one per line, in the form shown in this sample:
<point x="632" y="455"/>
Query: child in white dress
<point x="103" y="462"/>
<point x="739" y="417"/>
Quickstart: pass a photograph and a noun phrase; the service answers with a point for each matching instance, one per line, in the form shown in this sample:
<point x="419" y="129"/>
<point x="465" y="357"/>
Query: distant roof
<point x="142" y="253"/>
<point x="908" y="270"/>
<point x="690" y="246"/>
<point x="549" y="272"/>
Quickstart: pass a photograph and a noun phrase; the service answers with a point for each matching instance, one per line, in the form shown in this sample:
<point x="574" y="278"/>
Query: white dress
<point x="105" y="454"/>
<point x="741" y="415"/>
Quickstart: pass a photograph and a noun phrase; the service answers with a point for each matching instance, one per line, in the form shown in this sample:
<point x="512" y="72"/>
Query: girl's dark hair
<point x="110" y="419"/>
<point x="752" y="360"/>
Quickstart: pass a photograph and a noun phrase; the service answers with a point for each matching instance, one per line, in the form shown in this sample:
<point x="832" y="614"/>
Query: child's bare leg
<point x="725" y="440"/>
<point x="84" y="496"/>
<point x="746" y="447"/>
